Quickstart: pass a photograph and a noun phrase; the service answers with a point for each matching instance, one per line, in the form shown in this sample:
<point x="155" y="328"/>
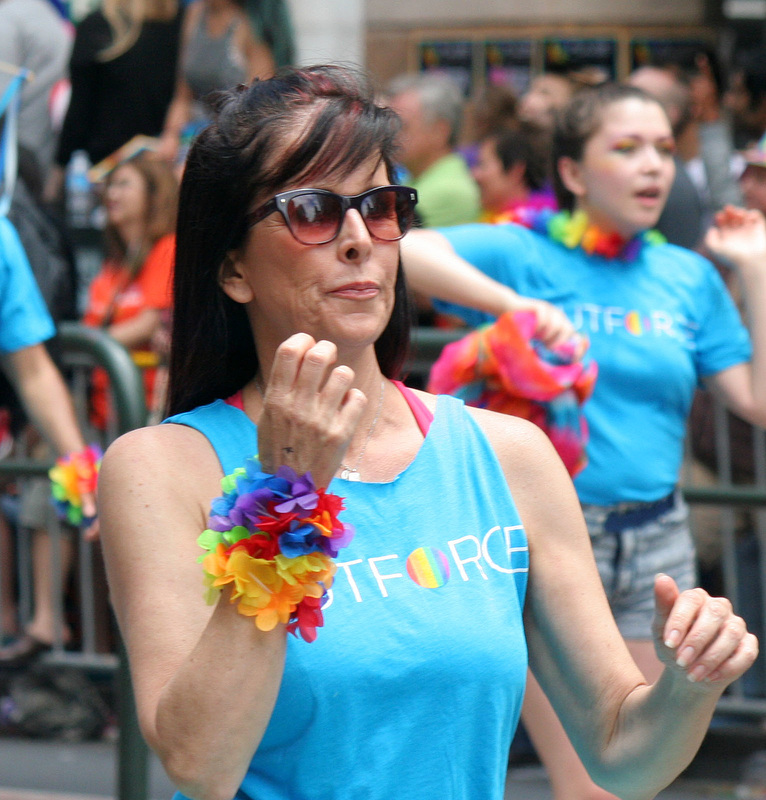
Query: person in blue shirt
<point x="659" y="320"/>
<point x="290" y="328"/>
<point x="25" y="324"/>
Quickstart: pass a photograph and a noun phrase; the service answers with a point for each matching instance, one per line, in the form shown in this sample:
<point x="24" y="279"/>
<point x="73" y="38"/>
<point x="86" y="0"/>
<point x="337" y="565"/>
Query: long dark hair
<point x="244" y="156"/>
<point x="580" y="120"/>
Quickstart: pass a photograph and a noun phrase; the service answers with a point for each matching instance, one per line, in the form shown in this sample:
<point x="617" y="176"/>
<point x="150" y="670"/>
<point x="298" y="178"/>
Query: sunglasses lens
<point x="314" y="218"/>
<point x="388" y="213"/>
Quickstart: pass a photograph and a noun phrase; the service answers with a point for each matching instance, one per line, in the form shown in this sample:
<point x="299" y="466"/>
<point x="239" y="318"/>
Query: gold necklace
<point x="352" y="473"/>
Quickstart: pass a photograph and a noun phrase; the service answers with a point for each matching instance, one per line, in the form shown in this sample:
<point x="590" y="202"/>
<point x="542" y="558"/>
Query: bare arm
<point x="179" y="110"/>
<point x="47" y="400"/>
<point x="434" y="269"/>
<point x="739" y="237"/>
<point x="45" y="397"/>
<point x="139" y="330"/>
<point x="206" y="679"/>
<point x="260" y="62"/>
<point x="634" y="739"/>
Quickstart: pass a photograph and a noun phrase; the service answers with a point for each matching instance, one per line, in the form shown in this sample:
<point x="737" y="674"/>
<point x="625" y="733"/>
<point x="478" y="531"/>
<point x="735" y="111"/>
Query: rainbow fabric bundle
<point x="501" y="367"/>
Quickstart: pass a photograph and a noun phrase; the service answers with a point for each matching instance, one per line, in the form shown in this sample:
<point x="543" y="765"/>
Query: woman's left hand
<point x="738" y="236"/>
<point x="310" y="409"/>
<point x="700" y="635"/>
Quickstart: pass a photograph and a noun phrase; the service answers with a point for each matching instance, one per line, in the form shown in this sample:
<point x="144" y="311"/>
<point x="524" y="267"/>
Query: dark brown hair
<point x="243" y="157"/>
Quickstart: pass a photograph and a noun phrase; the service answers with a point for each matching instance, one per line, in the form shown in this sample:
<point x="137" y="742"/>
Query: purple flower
<point x="302" y="503"/>
<point x="221" y="506"/>
<point x="331" y="546"/>
<point x="219" y="523"/>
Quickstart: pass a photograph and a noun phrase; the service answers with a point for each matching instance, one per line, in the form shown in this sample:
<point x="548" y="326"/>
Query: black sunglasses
<point x="315" y="216"/>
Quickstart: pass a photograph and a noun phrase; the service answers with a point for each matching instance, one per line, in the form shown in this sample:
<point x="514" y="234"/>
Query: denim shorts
<point x="629" y="558"/>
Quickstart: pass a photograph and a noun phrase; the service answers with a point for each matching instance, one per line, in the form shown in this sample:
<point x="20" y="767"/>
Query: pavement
<point x="33" y="769"/>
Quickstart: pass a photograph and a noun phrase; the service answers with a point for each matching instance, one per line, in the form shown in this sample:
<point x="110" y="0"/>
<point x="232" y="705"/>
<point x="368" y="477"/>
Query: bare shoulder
<point x="539" y="482"/>
<point x="428" y="398"/>
<point x="509" y="436"/>
<point x="518" y="443"/>
<point x="526" y="454"/>
<point x="171" y="463"/>
<point x="158" y="447"/>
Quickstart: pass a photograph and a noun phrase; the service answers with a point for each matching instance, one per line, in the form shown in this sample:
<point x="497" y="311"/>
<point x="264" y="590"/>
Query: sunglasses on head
<point x="315" y="216"/>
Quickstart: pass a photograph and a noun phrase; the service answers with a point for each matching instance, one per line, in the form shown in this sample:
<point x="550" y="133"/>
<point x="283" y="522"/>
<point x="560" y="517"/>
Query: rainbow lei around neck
<point x="574" y="230"/>
<point x="273" y="538"/>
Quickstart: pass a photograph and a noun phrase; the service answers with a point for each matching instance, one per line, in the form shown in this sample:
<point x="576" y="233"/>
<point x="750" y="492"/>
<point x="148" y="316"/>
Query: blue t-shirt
<point x="413" y="687"/>
<point x="24" y="317"/>
<point x="656" y="326"/>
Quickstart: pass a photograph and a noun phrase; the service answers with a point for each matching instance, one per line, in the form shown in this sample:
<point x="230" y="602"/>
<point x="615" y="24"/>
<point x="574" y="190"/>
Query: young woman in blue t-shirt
<point x="659" y="320"/>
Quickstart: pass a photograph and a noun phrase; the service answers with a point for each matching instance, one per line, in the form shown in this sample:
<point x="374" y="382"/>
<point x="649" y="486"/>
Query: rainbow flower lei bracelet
<point x="273" y="538"/>
<point x="72" y="476"/>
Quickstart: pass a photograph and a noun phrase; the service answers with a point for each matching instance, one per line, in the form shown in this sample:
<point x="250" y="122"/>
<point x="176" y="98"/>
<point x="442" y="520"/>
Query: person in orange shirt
<point x="130" y="297"/>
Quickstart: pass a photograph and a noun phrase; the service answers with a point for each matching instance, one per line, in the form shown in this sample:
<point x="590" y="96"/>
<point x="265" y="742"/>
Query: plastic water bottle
<point x="79" y="197"/>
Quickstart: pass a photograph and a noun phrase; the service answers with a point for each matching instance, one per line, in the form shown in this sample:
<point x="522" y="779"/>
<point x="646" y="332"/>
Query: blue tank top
<point x="414" y="686"/>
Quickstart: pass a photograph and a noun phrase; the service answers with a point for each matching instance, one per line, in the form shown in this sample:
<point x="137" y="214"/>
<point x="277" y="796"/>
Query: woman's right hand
<point x="310" y="409"/>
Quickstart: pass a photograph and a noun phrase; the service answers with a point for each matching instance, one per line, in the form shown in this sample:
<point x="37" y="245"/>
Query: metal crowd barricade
<point x="82" y="349"/>
<point x="743" y="572"/>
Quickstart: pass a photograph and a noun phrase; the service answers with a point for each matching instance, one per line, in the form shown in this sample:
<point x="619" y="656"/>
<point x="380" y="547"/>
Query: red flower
<point x="258" y="546"/>
<point x="307" y="618"/>
<point x="275" y="525"/>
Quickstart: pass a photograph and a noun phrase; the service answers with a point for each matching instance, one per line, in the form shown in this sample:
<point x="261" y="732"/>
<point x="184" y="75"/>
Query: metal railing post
<point x="127" y="389"/>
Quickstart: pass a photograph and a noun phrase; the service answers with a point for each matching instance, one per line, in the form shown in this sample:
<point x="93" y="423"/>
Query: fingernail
<point x="673" y="638"/>
<point x="685" y="657"/>
<point x="697" y="674"/>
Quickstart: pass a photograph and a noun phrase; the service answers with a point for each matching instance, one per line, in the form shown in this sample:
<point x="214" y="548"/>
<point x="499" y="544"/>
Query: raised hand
<point x="738" y="236"/>
<point x="700" y="635"/>
<point x="554" y="328"/>
<point x="310" y="409"/>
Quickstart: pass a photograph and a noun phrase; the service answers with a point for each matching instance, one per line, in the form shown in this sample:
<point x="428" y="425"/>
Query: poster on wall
<point x="663" y="52"/>
<point x="452" y="58"/>
<point x="508" y="62"/>
<point x="564" y="55"/>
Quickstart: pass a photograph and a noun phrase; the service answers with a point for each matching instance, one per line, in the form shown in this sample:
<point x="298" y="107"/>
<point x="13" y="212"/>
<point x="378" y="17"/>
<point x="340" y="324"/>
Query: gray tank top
<point x="212" y="63"/>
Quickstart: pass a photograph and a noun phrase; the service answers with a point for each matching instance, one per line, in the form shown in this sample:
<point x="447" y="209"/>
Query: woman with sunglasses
<point x="290" y="327"/>
<point x="659" y="320"/>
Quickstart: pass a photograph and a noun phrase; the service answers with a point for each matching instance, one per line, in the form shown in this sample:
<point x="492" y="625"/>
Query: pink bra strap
<point x="236" y="400"/>
<point x="420" y="410"/>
